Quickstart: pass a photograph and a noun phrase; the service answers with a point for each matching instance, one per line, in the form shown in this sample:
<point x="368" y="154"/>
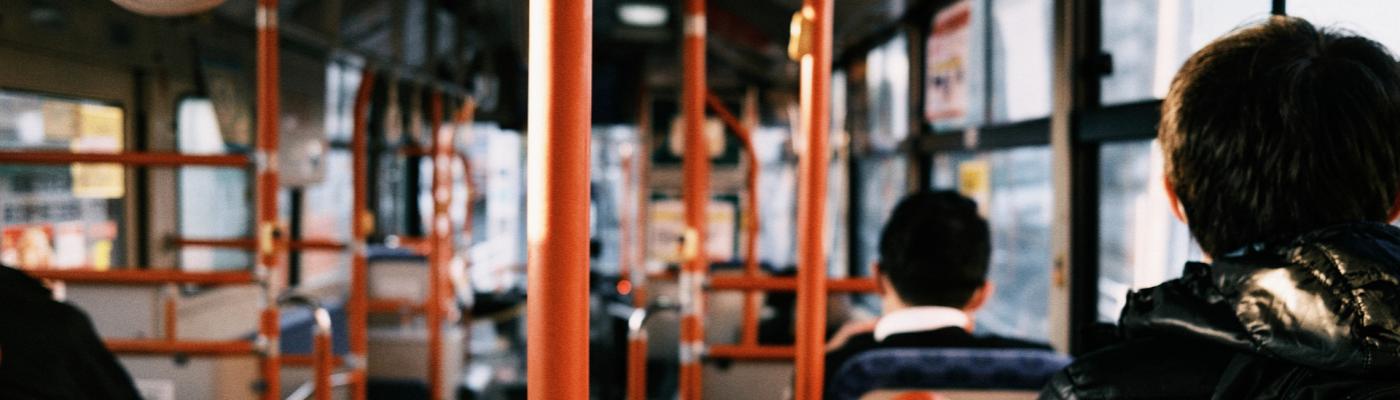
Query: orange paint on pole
<point x="557" y="206"/>
<point x="360" y="222"/>
<point x="811" y="207"/>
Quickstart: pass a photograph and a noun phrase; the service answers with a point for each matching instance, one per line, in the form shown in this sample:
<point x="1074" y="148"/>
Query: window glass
<point x="1149" y="39"/>
<point x="342" y="83"/>
<point x="777" y="200"/>
<point x="326" y="215"/>
<point x="1013" y="190"/>
<point x="1021" y="33"/>
<point x="1141" y="243"/>
<point x="882" y="186"/>
<point x="498" y="253"/>
<point x="1375" y="19"/>
<point x="61" y="216"/>
<point x="886" y="95"/>
<point x="197" y="132"/>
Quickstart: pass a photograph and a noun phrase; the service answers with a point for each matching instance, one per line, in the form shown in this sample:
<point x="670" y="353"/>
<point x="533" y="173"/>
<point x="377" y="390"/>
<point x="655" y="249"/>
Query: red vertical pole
<point x="696" y="196"/>
<point x="637" y="272"/>
<point x="557" y="207"/>
<point x="441" y="242"/>
<point x="811" y="206"/>
<point x="268" y="117"/>
<point x="361" y="221"/>
<point x="749" y="323"/>
<point x="324" y="357"/>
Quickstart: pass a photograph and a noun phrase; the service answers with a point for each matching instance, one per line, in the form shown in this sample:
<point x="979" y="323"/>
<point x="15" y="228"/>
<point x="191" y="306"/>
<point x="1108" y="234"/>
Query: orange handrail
<point x="360" y="225"/>
<point x="787" y="284"/>
<point x="636" y="273"/>
<point x="695" y="193"/>
<point x="751" y="352"/>
<point x="815" y="23"/>
<point x="749" y="324"/>
<point x="266" y="181"/>
<point x="558" y="157"/>
<point x="440" y="244"/>
<point x="248" y="243"/>
<point x="144" y="276"/>
<point x="186" y="347"/>
<point x="150" y="159"/>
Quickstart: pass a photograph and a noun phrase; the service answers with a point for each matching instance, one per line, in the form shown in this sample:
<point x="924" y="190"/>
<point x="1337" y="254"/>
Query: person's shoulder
<point x="1155" y="367"/>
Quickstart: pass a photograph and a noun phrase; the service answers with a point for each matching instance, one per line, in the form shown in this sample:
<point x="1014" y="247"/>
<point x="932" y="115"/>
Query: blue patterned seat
<point x="954" y="368"/>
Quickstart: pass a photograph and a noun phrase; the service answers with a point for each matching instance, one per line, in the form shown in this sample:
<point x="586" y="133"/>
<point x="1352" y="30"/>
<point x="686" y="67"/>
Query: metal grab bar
<point x="321" y="354"/>
<point x="637" y="344"/>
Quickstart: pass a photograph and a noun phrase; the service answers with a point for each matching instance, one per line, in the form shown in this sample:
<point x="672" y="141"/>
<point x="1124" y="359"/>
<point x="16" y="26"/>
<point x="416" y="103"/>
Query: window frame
<point x="52" y="76"/>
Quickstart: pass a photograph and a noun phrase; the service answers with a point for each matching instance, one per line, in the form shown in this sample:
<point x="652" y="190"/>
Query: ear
<point x="980" y="297"/>
<point x="1175" y="203"/>
<point x="1394" y="211"/>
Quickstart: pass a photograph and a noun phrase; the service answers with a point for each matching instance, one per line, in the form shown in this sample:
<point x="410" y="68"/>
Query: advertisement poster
<point x="66" y="245"/>
<point x="99" y="131"/>
<point x="668" y="230"/>
<point x="947" y="64"/>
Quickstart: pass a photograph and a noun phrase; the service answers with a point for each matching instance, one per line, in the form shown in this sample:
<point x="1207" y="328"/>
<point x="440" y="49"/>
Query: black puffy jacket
<point x="49" y="350"/>
<point x="1317" y="317"/>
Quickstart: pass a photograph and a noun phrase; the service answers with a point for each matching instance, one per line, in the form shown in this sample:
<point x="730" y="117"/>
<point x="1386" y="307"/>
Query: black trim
<point x="1280" y="8"/>
<point x="1135" y="121"/>
<point x="1034" y="132"/>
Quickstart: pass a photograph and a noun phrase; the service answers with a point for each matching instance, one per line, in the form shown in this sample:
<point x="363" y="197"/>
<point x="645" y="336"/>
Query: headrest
<point x="951" y="368"/>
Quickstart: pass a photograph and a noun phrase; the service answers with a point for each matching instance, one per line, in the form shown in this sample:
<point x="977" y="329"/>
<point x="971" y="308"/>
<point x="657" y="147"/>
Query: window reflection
<point x="1141" y="243"/>
<point x="1012" y="187"/>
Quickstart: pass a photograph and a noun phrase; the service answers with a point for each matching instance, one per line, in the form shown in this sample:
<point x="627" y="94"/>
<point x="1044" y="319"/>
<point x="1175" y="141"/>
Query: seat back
<point x="951" y="368"/>
<point x="951" y="395"/>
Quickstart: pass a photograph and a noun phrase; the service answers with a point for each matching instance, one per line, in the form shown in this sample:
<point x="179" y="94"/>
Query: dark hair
<point x="935" y="249"/>
<point x="1281" y="128"/>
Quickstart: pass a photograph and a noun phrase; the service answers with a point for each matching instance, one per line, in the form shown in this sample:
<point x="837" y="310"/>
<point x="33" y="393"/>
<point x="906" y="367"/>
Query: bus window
<point x="197" y="132"/>
<point x="61" y="216"/>
<point x="325" y="208"/>
<point x="1374" y="19"/>
<point x="1012" y="188"/>
<point x="1149" y="39"/>
<point x="1020" y="65"/>
<point x="1141" y="243"/>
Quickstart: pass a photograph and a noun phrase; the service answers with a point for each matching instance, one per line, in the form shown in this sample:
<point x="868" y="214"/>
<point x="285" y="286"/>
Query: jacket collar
<point x="1327" y="299"/>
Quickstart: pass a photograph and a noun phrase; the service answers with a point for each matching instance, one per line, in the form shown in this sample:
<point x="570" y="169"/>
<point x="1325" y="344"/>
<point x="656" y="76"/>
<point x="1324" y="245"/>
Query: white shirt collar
<point x="915" y="319"/>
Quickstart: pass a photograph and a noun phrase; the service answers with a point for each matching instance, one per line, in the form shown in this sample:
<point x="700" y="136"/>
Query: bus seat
<point x="299" y="326"/>
<point x="955" y="368"/>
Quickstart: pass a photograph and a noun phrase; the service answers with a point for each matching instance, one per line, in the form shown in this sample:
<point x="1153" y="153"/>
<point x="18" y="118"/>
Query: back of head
<point x="1281" y="128"/>
<point x="935" y="249"/>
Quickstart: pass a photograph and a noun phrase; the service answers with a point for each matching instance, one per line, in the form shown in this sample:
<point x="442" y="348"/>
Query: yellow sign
<point x="973" y="178"/>
<point x="99" y="131"/>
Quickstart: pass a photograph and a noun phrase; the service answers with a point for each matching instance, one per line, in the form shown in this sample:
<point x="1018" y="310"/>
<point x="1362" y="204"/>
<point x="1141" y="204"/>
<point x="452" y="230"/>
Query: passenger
<point x="1282" y="145"/>
<point x="934" y="254"/>
<point x="49" y="350"/>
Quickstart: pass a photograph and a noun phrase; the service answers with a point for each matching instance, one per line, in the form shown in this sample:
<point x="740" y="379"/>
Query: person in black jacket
<point x="50" y="350"/>
<point x="1282" y="144"/>
<point x="934" y="254"/>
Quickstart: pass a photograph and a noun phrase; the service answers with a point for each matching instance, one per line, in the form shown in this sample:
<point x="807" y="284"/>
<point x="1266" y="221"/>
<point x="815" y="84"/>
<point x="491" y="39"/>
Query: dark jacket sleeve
<point x="95" y="369"/>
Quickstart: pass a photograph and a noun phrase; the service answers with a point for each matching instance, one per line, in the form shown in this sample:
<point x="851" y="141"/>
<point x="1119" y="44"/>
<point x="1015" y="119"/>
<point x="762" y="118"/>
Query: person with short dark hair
<point x="50" y="350"/>
<point x="934" y="254"/>
<point x="1282" y="145"/>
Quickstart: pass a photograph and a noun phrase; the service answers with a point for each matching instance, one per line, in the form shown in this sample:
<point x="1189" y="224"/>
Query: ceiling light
<point x="642" y="14"/>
